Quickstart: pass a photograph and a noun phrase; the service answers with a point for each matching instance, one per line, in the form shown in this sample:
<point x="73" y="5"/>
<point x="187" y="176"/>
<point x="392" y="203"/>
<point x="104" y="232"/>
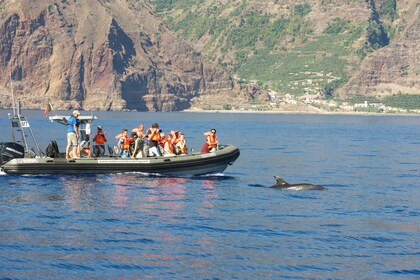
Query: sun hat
<point x="100" y="127"/>
<point x="75" y="112"/>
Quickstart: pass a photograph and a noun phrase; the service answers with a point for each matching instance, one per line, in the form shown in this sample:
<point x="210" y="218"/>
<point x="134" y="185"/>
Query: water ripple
<point x="231" y="225"/>
<point x="404" y="272"/>
<point x="72" y="266"/>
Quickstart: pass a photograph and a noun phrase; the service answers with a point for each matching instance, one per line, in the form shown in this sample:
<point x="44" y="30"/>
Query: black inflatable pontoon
<point x="20" y="159"/>
<point x="182" y="165"/>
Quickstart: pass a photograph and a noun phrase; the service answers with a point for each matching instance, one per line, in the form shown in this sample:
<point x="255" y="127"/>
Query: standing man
<point x="139" y="131"/>
<point x="73" y="135"/>
<point x="139" y="145"/>
<point x="153" y="134"/>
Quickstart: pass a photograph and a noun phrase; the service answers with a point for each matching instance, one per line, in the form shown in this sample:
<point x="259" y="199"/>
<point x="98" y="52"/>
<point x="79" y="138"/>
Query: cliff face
<point x="98" y="54"/>
<point x="394" y="68"/>
<point x="117" y="54"/>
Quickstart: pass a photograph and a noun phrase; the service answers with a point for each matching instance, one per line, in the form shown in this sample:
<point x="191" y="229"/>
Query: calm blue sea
<point x="366" y="225"/>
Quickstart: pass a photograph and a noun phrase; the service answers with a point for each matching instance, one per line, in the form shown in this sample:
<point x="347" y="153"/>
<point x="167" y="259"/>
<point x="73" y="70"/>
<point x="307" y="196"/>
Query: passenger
<point x="211" y="141"/>
<point x="73" y="135"/>
<point x="153" y="135"/>
<point x="85" y="147"/>
<point x="99" y="138"/>
<point x="137" y="146"/>
<point x="168" y="146"/>
<point x="162" y="138"/>
<point x="142" y="142"/>
<point x="139" y="130"/>
<point x="181" y="145"/>
<point x="124" y="143"/>
<point x="175" y="136"/>
<point x="162" y="141"/>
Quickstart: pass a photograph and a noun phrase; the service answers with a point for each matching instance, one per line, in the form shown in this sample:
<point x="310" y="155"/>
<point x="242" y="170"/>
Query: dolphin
<point x="282" y="184"/>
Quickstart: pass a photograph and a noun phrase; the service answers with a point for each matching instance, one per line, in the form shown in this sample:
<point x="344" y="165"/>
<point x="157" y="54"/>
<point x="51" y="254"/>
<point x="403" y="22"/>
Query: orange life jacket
<point x="86" y="150"/>
<point x="126" y="144"/>
<point x="170" y="145"/>
<point x="212" y="141"/>
<point x="155" y="136"/>
<point x="100" y="139"/>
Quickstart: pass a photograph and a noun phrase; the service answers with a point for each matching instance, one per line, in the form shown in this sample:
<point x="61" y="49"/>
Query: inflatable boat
<point x="17" y="157"/>
<point x="181" y="165"/>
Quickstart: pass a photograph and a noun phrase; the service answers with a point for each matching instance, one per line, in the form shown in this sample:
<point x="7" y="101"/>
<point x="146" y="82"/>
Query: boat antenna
<point x="13" y="95"/>
<point x="52" y="108"/>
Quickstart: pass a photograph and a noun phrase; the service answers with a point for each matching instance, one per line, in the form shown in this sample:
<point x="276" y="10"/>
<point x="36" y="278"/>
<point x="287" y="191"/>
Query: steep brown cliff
<point x="394" y="68"/>
<point x="98" y="54"/>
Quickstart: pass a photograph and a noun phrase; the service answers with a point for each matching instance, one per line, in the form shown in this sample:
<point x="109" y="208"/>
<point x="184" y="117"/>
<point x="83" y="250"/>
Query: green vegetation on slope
<point x="280" y="51"/>
<point x="389" y="9"/>
<point x="310" y="68"/>
<point x="241" y="30"/>
<point x="405" y="101"/>
<point x="283" y="50"/>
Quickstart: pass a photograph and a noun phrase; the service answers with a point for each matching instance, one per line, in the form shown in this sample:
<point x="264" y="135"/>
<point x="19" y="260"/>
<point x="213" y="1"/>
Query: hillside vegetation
<point x="170" y="55"/>
<point x="296" y="47"/>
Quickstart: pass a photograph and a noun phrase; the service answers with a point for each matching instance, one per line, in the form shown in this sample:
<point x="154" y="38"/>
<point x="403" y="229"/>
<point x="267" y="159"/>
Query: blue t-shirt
<point x="72" y="121"/>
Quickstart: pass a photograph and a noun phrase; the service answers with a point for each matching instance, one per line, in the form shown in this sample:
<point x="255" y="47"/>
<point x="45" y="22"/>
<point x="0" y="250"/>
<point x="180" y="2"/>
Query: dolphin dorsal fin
<point x="280" y="181"/>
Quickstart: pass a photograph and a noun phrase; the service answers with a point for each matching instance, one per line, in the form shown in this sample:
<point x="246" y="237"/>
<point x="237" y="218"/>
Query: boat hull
<point x="184" y="165"/>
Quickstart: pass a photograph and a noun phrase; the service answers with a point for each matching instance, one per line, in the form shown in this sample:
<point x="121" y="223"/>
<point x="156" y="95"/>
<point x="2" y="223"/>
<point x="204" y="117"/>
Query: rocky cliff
<point x="98" y="54"/>
<point x="394" y="68"/>
<point x="121" y="54"/>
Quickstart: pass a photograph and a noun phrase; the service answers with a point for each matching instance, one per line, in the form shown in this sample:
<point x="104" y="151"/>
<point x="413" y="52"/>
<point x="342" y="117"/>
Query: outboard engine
<point x="9" y="151"/>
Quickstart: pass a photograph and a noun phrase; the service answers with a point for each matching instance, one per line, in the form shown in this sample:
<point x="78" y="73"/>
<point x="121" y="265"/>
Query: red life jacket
<point x="100" y="139"/>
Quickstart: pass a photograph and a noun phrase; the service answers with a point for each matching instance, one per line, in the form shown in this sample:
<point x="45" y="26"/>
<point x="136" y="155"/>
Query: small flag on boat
<point x="47" y="109"/>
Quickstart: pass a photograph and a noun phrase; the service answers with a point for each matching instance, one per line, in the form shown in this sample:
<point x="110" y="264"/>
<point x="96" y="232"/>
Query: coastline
<point x="344" y="113"/>
<point x="288" y="112"/>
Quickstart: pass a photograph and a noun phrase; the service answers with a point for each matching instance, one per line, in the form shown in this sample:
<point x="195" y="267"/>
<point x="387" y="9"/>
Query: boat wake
<point x="214" y="176"/>
<point x="142" y="174"/>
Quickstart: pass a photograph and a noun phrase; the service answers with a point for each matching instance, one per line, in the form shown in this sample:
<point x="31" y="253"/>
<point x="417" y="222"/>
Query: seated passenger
<point x="175" y="139"/>
<point x="211" y="141"/>
<point x="99" y="138"/>
<point x="168" y="146"/>
<point x="181" y="145"/>
<point x="124" y="143"/>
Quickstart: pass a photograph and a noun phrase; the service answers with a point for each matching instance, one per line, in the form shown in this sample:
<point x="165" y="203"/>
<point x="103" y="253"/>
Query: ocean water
<point x="365" y="225"/>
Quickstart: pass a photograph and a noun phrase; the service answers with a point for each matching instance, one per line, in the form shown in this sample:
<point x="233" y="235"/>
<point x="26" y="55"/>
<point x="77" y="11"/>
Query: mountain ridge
<point x="57" y="50"/>
<point x="177" y="55"/>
